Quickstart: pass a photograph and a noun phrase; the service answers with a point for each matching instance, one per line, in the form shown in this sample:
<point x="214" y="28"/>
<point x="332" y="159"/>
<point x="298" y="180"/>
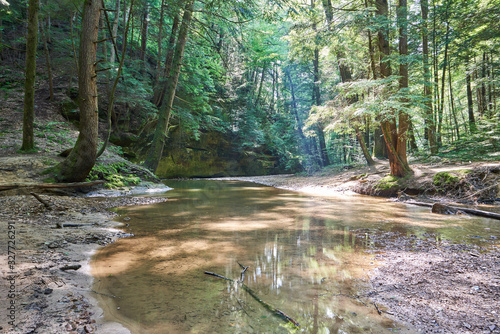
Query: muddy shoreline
<point x="38" y="295"/>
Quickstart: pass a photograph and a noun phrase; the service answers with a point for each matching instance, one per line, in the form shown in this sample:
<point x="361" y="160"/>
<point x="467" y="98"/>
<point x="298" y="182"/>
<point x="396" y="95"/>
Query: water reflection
<point x="304" y="260"/>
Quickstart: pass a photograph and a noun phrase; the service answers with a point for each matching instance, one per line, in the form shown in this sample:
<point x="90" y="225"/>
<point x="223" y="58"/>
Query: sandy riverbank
<point x="43" y="298"/>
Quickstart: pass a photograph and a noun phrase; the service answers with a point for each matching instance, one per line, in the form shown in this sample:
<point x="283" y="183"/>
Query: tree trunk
<point x="263" y="74"/>
<point x="274" y="75"/>
<point x="435" y="70"/>
<point x="483" y="85"/>
<point x="1" y="38"/>
<point x="430" y="127"/>
<point x="411" y="136"/>
<point x="325" y="161"/>
<point x="159" y="42"/>
<point x="29" y="84"/>
<point x="47" y="61"/>
<point x="452" y="103"/>
<point x="156" y="150"/>
<point x="402" y="14"/>
<point x="395" y="139"/>
<point x="470" y="105"/>
<point x="327" y="7"/>
<point x="475" y="77"/>
<point x="490" y="86"/>
<point x="323" y="152"/>
<point x="302" y="138"/>
<point x="162" y="89"/>
<point x="112" y="57"/>
<point x="81" y="160"/>
<point x="144" y="35"/>
<point x="443" y="77"/>
<point x="379" y="146"/>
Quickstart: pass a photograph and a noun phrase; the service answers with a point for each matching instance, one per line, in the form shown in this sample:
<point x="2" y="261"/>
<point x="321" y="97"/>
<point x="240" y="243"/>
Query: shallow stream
<point x="306" y="257"/>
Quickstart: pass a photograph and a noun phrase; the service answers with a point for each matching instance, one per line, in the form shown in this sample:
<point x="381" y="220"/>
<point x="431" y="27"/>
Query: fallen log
<point x="51" y="185"/>
<point x="252" y="293"/>
<point x="447" y="209"/>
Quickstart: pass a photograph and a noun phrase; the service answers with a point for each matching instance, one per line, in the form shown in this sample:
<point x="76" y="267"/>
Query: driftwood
<point x="47" y="205"/>
<point x="51" y="185"/>
<point x="71" y="267"/>
<point x="252" y="293"/>
<point x="62" y="225"/>
<point x="447" y="209"/>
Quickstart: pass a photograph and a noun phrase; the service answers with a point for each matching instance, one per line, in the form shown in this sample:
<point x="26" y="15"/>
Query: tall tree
<point x="144" y="33"/>
<point x="430" y="127"/>
<point x="394" y="137"/>
<point x="81" y="160"/>
<point x="325" y="161"/>
<point x="161" y="89"/>
<point x="29" y="85"/>
<point x="156" y="150"/>
<point x="114" y="32"/>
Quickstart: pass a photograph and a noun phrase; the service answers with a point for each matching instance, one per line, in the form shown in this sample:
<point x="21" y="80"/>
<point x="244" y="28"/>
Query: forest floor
<point x="435" y="288"/>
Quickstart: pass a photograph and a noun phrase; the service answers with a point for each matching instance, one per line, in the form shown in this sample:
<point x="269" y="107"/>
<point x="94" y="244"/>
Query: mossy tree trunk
<point x="156" y="150"/>
<point x="29" y="84"/>
<point x="81" y="160"/>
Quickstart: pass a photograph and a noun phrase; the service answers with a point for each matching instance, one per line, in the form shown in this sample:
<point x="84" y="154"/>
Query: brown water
<point x="303" y="258"/>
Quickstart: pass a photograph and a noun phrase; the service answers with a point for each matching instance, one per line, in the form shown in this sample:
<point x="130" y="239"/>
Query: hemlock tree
<point x="81" y="160"/>
<point x="395" y="132"/>
<point x="29" y="86"/>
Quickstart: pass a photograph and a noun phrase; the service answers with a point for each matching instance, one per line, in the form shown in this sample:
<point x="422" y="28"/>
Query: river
<point x="307" y="257"/>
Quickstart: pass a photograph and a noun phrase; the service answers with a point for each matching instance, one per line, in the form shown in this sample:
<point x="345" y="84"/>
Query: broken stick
<point x="252" y="293"/>
<point x="47" y="205"/>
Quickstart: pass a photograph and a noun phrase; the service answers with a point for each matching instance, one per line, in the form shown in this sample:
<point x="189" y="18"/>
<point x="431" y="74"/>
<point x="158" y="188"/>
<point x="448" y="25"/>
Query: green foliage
<point x="444" y="179"/>
<point x="55" y="134"/>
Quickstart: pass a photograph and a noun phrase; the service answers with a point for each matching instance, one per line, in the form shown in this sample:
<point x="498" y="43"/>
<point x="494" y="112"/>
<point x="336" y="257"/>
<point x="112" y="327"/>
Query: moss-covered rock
<point x="213" y="155"/>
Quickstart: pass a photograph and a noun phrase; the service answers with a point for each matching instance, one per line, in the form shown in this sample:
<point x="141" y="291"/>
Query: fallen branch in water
<point x="252" y="293"/>
<point x="243" y="272"/>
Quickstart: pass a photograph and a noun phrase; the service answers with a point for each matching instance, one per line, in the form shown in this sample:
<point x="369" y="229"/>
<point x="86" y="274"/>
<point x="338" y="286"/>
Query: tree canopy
<point x="282" y="85"/>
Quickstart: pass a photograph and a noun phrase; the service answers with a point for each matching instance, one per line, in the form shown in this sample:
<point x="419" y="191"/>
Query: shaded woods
<point x="254" y="87"/>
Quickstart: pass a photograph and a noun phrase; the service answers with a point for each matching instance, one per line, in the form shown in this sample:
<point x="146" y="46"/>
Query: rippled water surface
<point x="303" y="256"/>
